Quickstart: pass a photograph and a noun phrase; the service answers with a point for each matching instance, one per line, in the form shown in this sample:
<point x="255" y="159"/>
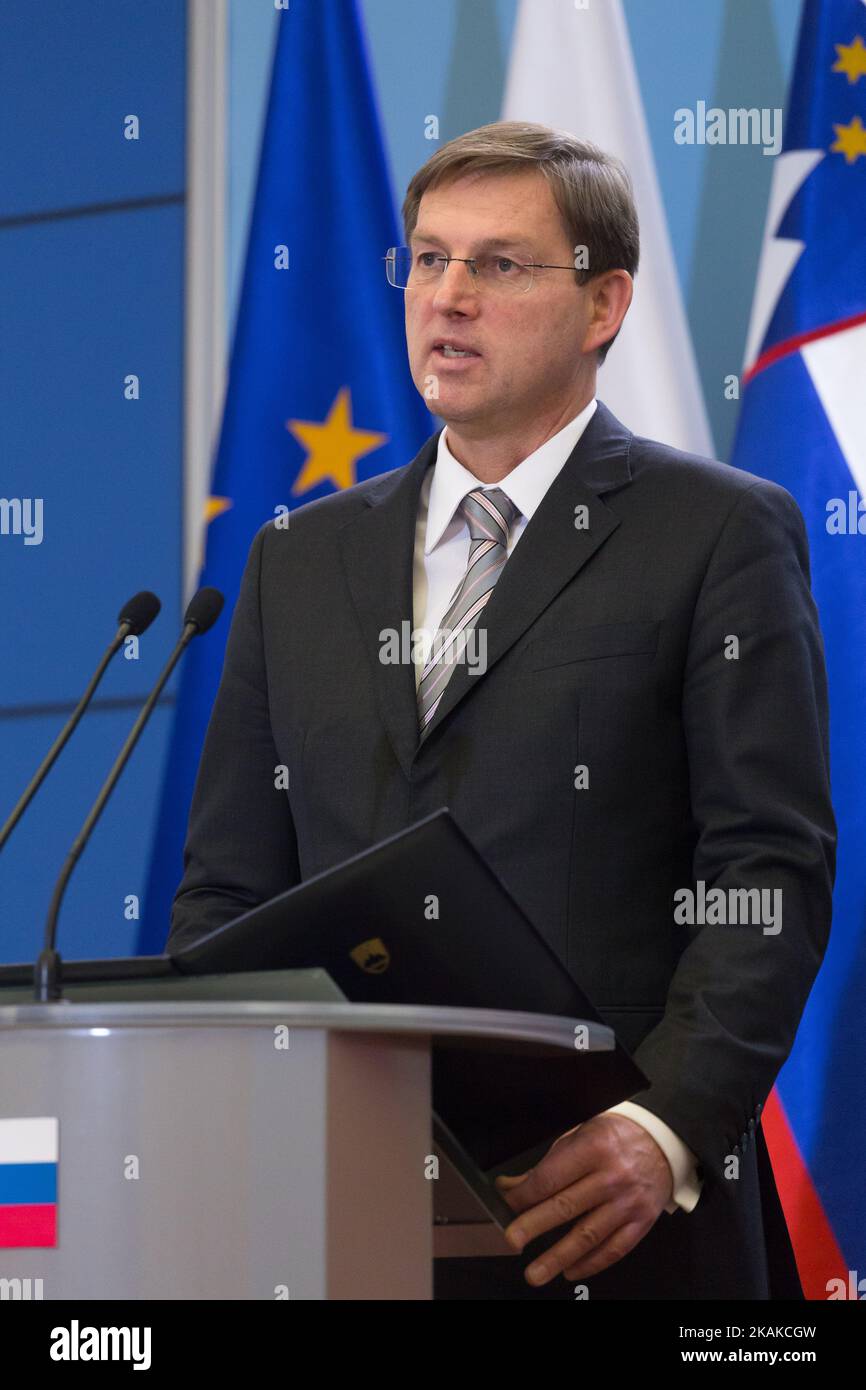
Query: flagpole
<point x="205" y="352"/>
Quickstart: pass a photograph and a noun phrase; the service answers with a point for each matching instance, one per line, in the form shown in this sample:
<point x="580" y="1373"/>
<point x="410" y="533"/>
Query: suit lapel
<point x="378" y="549"/>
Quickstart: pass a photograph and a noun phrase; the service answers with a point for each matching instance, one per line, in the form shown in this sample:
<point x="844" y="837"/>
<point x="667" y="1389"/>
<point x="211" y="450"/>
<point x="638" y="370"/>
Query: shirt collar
<point x="525" y="485"/>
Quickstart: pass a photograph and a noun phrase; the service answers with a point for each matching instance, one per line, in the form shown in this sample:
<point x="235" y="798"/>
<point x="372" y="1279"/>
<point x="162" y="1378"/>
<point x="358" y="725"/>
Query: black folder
<point x="421" y="918"/>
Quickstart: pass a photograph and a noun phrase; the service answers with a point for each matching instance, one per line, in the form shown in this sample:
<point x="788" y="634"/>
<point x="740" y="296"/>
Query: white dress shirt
<point x="441" y="556"/>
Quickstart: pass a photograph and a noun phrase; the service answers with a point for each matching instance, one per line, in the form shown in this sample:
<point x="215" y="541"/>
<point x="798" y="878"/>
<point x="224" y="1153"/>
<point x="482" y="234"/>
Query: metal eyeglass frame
<point x="471" y="261"/>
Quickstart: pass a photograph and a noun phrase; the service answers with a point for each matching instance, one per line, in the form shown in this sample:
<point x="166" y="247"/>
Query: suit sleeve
<point x="756" y="730"/>
<point x="241" y="847"/>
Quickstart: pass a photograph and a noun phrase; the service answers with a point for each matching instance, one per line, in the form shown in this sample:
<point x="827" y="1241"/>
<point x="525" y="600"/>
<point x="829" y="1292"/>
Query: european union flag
<point x="803" y="425"/>
<point x="319" y="394"/>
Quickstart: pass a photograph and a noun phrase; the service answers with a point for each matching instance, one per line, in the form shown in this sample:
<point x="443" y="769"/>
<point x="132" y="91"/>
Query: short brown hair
<point x="592" y="189"/>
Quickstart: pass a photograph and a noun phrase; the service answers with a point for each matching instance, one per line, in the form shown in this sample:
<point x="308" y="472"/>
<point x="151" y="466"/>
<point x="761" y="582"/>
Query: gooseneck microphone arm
<point x="134" y="618"/>
<point x="202" y="613"/>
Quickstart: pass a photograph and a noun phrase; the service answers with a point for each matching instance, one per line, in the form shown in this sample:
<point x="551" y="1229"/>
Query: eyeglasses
<point x="499" y="274"/>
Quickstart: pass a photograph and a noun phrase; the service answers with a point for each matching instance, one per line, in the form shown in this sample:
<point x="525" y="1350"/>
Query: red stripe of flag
<point x="789" y="345"/>
<point x="817" y="1251"/>
<point x="28" y="1225"/>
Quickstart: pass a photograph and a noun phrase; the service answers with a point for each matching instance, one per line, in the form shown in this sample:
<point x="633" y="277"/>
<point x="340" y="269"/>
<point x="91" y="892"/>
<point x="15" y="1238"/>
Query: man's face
<point x="528" y="346"/>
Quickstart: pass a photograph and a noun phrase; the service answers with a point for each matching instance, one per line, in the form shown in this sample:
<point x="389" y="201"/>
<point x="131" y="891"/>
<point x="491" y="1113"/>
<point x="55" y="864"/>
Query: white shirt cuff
<point x="683" y="1164"/>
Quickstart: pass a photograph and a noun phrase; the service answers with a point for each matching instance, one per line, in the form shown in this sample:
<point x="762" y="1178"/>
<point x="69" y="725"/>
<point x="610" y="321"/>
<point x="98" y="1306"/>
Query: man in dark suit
<point x="616" y="683"/>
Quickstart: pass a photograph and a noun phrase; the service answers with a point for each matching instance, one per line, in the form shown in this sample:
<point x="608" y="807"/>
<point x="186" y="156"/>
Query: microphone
<point x="203" y="610"/>
<point x="134" y="618"/>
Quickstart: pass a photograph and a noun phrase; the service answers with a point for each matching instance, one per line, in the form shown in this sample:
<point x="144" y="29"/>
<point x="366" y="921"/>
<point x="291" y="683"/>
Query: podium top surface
<point x="516" y="1029"/>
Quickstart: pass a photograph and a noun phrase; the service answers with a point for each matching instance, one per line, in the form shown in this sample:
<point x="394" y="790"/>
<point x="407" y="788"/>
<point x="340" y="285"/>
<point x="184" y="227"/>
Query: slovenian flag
<point x="803" y="424"/>
<point x="28" y="1183"/>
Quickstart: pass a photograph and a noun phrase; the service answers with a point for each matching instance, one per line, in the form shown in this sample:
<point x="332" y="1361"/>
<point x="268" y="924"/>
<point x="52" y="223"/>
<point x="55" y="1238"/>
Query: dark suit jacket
<point x="606" y="647"/>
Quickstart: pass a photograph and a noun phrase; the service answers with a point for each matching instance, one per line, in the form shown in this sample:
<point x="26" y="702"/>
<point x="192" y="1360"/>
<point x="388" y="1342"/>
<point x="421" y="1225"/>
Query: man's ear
<point x="610" y="295"/>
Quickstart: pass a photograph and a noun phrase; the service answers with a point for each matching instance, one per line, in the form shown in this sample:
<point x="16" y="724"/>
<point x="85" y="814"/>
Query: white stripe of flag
<point x="29" y="1141"/>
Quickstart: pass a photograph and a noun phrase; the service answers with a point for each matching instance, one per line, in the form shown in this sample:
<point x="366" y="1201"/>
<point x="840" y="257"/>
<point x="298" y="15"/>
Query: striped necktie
<point x="490" y="516"/>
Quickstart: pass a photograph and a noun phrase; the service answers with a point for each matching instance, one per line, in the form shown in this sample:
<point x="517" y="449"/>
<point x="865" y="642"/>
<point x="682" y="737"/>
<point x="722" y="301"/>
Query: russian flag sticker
<point x="28" y="1183"/>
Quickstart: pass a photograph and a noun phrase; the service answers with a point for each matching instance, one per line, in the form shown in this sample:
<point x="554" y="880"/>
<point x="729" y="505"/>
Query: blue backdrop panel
<point x="91" y="290"/>
<point x="89" y="300"/>
<point x="69" y="75"/>
<point x="92" y="921"/>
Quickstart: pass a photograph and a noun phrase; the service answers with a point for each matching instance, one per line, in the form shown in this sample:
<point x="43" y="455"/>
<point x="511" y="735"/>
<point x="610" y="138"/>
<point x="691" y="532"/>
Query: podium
<point x="248" y="1136"/>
